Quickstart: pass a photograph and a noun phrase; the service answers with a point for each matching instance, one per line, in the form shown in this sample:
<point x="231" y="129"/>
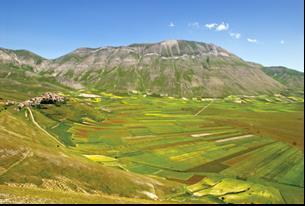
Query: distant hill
<point x="292" y="79"/>
<point x="20" y="57"/>
<point x="174" y="67"/>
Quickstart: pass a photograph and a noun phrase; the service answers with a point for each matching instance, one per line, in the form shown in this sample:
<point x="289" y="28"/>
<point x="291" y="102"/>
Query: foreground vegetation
<point x="140" y="148"/>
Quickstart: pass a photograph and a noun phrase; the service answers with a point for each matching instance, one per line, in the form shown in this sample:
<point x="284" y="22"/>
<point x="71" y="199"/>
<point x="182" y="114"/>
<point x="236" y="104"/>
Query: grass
<point x="100" y="158"/>
<point x="277" y="162"/>
<point x="36" y="195"/>
<point x="236" y="191"/>
<point x="53" y="168"/>
<point x="144" y="142"/>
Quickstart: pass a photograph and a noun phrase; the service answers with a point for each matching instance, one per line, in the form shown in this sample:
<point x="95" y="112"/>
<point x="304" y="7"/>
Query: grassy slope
<point x="24" y="54"/>
<point x="48" y="167"/>
<point x="20" y="83"/>
<point x="293" y="79"/>
<point x="14" y="195"/>
<point x="215" y="77"/>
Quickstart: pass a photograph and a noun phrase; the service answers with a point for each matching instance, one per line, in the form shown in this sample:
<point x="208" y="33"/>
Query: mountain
<point x="174" y="67"/>
<point x="292" y="79"/>
<point x="18" y="78"/>
<point x="20" y="57"/>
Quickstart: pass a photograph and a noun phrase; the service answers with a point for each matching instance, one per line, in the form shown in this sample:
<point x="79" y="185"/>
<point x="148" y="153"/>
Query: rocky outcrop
<point x="46" y="98"/>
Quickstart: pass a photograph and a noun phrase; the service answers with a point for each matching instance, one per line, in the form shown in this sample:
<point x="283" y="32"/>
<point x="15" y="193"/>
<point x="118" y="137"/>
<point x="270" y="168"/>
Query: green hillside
<point x="293" y="79"/>
<point x="136" y="148"/>
<point x="21" y="82"/>
<point x="174" y="67"/>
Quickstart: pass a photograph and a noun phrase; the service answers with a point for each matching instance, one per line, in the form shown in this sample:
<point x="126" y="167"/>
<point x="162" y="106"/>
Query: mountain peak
<point x="176" y="48"/>
<point x="170" y="42"/>
<point x="20" y="56"/>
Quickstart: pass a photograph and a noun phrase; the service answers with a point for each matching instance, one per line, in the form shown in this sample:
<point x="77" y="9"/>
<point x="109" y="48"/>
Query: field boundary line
<point x="234" y="138"/>
<point x="27" y="154"/>
<point x="204" y="108"/>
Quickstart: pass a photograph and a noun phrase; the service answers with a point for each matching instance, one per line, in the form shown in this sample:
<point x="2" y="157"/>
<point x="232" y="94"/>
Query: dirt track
<point x="37" y="125"/>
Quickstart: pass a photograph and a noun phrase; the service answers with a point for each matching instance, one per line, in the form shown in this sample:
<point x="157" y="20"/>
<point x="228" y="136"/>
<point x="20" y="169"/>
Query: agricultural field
<point x="241" y="149"/>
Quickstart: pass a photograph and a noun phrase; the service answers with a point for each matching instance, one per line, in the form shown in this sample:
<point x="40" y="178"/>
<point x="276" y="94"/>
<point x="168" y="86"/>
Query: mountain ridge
<point x="172" y="67"/>
<point x="291" y="78"/>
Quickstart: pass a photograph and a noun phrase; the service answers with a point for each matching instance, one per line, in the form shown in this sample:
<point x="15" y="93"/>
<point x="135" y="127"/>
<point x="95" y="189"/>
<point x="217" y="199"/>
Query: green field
<point x="237" y="150"/>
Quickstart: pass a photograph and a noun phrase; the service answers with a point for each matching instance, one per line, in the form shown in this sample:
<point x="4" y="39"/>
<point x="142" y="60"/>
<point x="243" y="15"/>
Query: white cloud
<point x="171" y="24"/>
<point x="218" y="27"/>
<point x="251" y="40"/>
<point x="194" y="25"/>
<point x="222" y="27"/>
<point x="235" y="35"/>
<point x="211" y="26"/>
<point x="282" y="42"/>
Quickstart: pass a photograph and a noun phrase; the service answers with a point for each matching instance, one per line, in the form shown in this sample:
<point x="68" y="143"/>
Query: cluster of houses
<point x="46" y="98"/>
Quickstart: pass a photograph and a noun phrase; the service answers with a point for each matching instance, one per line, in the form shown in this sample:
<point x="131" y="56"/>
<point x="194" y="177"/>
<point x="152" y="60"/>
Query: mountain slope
<point x="292" y="79"/>
<point x="30" y="159"/>
<point x="20" y="57"/>
<point x="19" y="82"/>
<point x="175" y="67"/>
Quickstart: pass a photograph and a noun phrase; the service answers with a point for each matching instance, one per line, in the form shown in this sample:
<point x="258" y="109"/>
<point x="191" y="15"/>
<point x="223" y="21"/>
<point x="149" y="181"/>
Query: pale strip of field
<point x="100" y="158"/>
<point x="167" y="115"/>
<point x="201" y="135"/>
<point x="235" y="138"/>
<point x="214" y="133"/>
<point x="139" y="137"/>
<point x="89" y="95"/>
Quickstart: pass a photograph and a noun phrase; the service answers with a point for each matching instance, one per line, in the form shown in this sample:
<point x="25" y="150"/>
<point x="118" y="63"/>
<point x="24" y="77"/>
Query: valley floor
<point x="106" y="148"/>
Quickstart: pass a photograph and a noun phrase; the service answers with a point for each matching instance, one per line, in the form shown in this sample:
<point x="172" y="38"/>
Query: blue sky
<point x="270" y="32"/>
